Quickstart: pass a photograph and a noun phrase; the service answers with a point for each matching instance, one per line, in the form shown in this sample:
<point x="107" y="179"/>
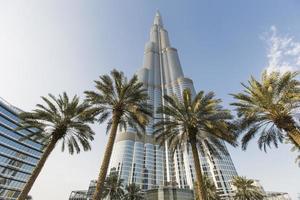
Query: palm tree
<point x="245" y="190"/>
<point x="123" y="103"/>
<point x="210" y="189"/>
<point x="200" y="121"/>
<point x="267" y="108"/>
<point x="133" y="192"/>
<point x="113" y="187"/>
<point x="61" y="119"/>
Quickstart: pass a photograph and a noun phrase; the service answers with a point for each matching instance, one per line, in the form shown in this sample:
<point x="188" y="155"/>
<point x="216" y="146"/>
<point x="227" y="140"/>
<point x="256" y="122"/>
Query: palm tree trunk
<point x="200" y="189"/>
<point x="106" y="159"/>
<point x="295" y="136"/>
<point x="37" y="170"/>
<point x="292" y="131"/>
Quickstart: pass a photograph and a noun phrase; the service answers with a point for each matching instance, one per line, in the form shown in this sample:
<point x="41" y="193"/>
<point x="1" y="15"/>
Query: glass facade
<point x="140" y="163"/>
<point x="141" y="160"/>
<point x="17" y="158"/>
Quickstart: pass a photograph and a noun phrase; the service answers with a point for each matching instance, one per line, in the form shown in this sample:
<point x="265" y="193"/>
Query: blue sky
<point x="55" y="46"/>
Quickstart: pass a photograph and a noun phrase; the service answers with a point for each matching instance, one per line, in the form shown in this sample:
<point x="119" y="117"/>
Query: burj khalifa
<point x="141" y="160"/>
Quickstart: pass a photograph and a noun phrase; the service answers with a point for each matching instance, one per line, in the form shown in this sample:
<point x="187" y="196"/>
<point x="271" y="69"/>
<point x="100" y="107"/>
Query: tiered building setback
<point x="142" y="160"/>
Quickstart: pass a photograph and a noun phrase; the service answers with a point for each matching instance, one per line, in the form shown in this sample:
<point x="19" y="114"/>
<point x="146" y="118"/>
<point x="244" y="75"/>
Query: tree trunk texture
<point x="106" y="159"/>
<point x="288" y="125"/>
<point x="37" y="170"/>
<point x="200" y="189"/>
<point x="294" y="135"/>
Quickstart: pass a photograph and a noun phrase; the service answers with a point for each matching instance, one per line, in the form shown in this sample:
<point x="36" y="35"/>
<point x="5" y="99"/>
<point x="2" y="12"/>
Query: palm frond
<point x="200" y="119"/>
<point x="245" y="189"/>
<point x="58" y="119"/>
<point x="268" y="107"/>
<point x="115" y="94"/>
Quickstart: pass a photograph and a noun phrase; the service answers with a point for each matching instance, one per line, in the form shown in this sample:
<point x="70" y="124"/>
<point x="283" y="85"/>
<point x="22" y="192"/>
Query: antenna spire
<point x="158" y="19"/>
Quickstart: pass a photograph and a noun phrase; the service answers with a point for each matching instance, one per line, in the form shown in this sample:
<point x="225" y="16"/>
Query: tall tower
<point x="142" y="160"/>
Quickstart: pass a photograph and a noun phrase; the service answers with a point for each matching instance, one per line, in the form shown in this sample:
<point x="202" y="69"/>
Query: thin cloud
<point x="283" y="52"/>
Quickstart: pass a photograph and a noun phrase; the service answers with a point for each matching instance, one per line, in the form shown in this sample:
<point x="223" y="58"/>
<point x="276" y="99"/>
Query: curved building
<point x="141" y="160"/>
<point x="17" y="158"/>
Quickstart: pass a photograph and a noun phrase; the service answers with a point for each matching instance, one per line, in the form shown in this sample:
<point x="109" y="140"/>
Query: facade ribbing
<point x="141" y="160"/>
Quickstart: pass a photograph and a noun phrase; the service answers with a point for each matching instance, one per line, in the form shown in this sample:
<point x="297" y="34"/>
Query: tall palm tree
<point x="267" y="107"/>
<point x="60" y="119"/>
<point x="122" y="103"/>
<point x="113" y="187"/>
<point x="199" y="121"/>
<point x="245" y="190"/>
<point x="210" y="189"/>
<point x="133" y="192"/>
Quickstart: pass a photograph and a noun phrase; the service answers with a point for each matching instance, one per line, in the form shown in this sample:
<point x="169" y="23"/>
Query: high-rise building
<point x="17" y="158"/>
<point x="142" y="160"/>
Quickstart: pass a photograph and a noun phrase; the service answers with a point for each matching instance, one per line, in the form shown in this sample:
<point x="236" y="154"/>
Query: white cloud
<point x="283" y="52"/>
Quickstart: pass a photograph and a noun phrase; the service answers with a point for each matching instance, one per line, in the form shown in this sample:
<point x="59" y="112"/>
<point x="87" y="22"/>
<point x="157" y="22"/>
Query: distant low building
<point x="163" y="193"/>
<point x="84" y="194"/>
<point x="78" y="195"/>
<point x="91" y="190"/>
<point x="277" y="196"/>
<point x="174" y="193"/>
<point x="169" y="193"/>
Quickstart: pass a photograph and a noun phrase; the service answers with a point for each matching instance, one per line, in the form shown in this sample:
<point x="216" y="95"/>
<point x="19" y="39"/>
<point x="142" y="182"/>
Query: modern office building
<point x="84" y="194"/>
<point x="17" y="158"/>
<point x="142" y="160"/>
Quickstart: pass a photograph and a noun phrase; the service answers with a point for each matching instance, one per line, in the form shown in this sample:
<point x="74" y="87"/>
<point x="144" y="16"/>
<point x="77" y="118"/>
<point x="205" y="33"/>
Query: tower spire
<point x="158" y="19"/>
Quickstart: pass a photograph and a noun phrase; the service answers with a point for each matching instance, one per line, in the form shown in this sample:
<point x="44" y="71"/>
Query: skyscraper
<point x="142" y="160"/>
<point x="17" y="158"/>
